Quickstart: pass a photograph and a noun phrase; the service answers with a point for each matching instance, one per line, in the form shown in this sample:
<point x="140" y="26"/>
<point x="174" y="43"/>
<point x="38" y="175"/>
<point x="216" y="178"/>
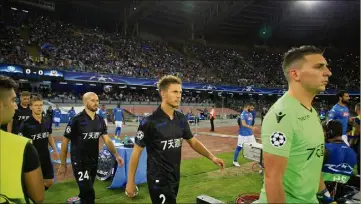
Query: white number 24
<point x="83" y="176"/>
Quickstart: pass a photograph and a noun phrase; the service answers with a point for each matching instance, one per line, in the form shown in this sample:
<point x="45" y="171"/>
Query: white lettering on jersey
<point x="40" y="136"/>
<point x="91" y="135"/>
<point x="23" y="117"/>
<point x="172" y="143"/>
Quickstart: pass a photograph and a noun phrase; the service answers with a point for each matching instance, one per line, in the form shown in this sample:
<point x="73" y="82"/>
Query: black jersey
<point x="39" y="133"/>
<point x="163" y="138"/>
<point x="21" y="114"/>
<point x="84" y="134"/>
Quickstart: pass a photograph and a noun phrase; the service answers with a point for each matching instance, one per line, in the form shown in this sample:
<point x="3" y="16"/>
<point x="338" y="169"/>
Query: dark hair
<point x="334" y="128"/>
<point x="340" y="94"/>
<point x="167" y="80"/>
<point x="7" y="84"/>
<point x="296" y="54"/>
<point x="35" y="98"/>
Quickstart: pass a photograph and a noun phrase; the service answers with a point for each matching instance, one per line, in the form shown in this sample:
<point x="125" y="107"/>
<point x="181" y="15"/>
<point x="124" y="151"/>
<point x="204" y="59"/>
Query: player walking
<point x="38" y="129"/>
<point x="84" y="131"/>
<point x="162" y="133"/>
<point x="245" y="131"/>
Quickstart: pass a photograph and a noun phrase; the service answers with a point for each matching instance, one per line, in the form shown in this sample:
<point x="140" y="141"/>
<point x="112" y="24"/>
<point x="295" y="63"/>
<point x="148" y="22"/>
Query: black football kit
<point x="39" y="134"/>
<point x="21" y="114"/>
<point x="163" y="138"/>
<point x="84" y="133"/>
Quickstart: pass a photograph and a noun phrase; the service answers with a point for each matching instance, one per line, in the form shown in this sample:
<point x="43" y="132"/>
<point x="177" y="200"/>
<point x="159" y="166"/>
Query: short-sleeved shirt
<point x="21" y="114"/>
<point x="163" y="138"/>
<point x="292" y="131"/>
<point x="248" y="118"/>
<point x="342" y="114"/>
<point x="84" y="133"/>
<point x="118" y="114"/>
<point x="39" y="134"/>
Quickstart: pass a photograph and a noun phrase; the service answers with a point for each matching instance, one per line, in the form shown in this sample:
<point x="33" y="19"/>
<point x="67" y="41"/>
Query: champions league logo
<point x="209" y="87"/>
<point x="101" y="78"/>
<point x="248" y="89"/>
<point x="11" y="69"/>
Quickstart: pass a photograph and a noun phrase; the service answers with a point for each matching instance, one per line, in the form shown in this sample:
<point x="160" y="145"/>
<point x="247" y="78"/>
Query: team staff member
<point x="341" y="112"/>
<point x="292" y="135"/>
<point x="212" y="117"/>
<point x="20" y="173"/>
<point x="339" y="160"/>
<point x="22" y="113"/>
<point x="162" y="133"/>
<point x="83" y="131"/>
<point x="38" y="129"/>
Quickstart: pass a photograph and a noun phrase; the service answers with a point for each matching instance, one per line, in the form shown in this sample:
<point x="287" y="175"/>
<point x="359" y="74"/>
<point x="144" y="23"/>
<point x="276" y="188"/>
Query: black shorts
<point x="47" y="168"/>
<point x="84" y="174"/>
<point x="162" y="192"/>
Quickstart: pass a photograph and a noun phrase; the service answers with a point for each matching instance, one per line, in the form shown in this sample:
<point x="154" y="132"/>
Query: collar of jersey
<point x="160" y="112"/>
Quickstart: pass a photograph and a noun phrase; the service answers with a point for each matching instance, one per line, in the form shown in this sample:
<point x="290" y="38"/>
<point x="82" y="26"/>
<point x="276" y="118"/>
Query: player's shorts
<point x="244" y="139"/>
<point x="106" y="122"/>
<point x="345" y="139"/>
<point x="85" y="176"/>
<point x="47" y="167"/>
<point x="162" y="192"/>
<point x="56" y="120"/>
<point x="119" y="124"/>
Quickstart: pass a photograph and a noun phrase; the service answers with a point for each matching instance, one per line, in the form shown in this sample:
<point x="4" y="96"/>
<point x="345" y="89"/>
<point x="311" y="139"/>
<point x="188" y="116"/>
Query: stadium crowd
<point x="68" y="47"/>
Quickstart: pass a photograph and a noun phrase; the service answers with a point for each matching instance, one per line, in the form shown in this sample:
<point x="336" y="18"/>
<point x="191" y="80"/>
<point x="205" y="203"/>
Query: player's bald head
<point x="89" y="95"/>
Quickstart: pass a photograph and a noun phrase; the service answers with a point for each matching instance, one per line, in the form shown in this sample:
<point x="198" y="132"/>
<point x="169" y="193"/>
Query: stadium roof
<point x="246" y="21"/>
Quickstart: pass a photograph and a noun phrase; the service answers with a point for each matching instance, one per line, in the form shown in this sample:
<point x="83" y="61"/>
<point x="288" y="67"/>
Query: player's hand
<point x="56" y="155"/>
<point x="130" y="189"/>
<point x="119" y="160"/>
<point x="254" y="129"/>
<point x="218" y="162"/>
<point x="62" y="169"/>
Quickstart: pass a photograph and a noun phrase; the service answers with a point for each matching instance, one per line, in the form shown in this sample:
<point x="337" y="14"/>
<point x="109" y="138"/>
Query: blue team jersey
<point x="342" y="114"/>
<point x="323" y="115"/>
<point x="103" y="113"/>
<point x="57" y="113"/>
<point x="71" y="113"/>
<point x="248" y="118"/>
<point x="254" y="117"/>
<point x="118" y="114"/>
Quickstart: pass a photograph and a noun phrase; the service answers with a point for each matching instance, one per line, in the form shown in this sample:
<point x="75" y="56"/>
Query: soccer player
<point x="292" y="135"/>
<point x="38" y="129"/>
<point x="71" y="113"/>
<point x="57" y="115"/>
<point x="84" y="130"/>
<point x="119" y="119"/>
<point x="340" y="112"/>
<point x="20" y="172"/>
<point x="162" y="134"/>
<point x="22" y="113"/>
<point x="103" y="113"/>
<point x="245" y="131"/>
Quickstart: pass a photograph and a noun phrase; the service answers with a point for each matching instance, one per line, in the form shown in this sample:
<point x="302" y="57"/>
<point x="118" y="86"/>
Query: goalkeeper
<point x="292" y="135"/>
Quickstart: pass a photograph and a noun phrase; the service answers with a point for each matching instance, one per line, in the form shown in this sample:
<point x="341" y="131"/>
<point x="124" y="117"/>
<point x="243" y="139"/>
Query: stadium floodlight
<point x="309" y="3"/>
<point x="15" y="9"/>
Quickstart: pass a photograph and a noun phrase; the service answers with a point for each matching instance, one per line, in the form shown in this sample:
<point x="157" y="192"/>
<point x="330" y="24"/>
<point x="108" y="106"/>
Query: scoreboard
<point x="28" y="72"/>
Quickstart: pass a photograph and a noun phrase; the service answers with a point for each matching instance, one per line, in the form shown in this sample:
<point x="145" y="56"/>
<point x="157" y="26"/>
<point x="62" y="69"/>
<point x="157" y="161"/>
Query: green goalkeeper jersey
<point x="292" y="131"/>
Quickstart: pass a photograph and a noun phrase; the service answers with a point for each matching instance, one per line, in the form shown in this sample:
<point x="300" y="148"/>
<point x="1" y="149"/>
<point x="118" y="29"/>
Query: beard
<point x="344" y="102"/>
<point x="92" y="108"/>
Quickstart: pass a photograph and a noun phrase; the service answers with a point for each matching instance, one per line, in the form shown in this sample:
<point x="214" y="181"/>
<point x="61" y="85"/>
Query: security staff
<point x="22" y="113"/>
<point x="84" y="130"/>
<point x="38" y="129"/>
<point x="20" y="173"/>
<point x="162" y="133"/>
